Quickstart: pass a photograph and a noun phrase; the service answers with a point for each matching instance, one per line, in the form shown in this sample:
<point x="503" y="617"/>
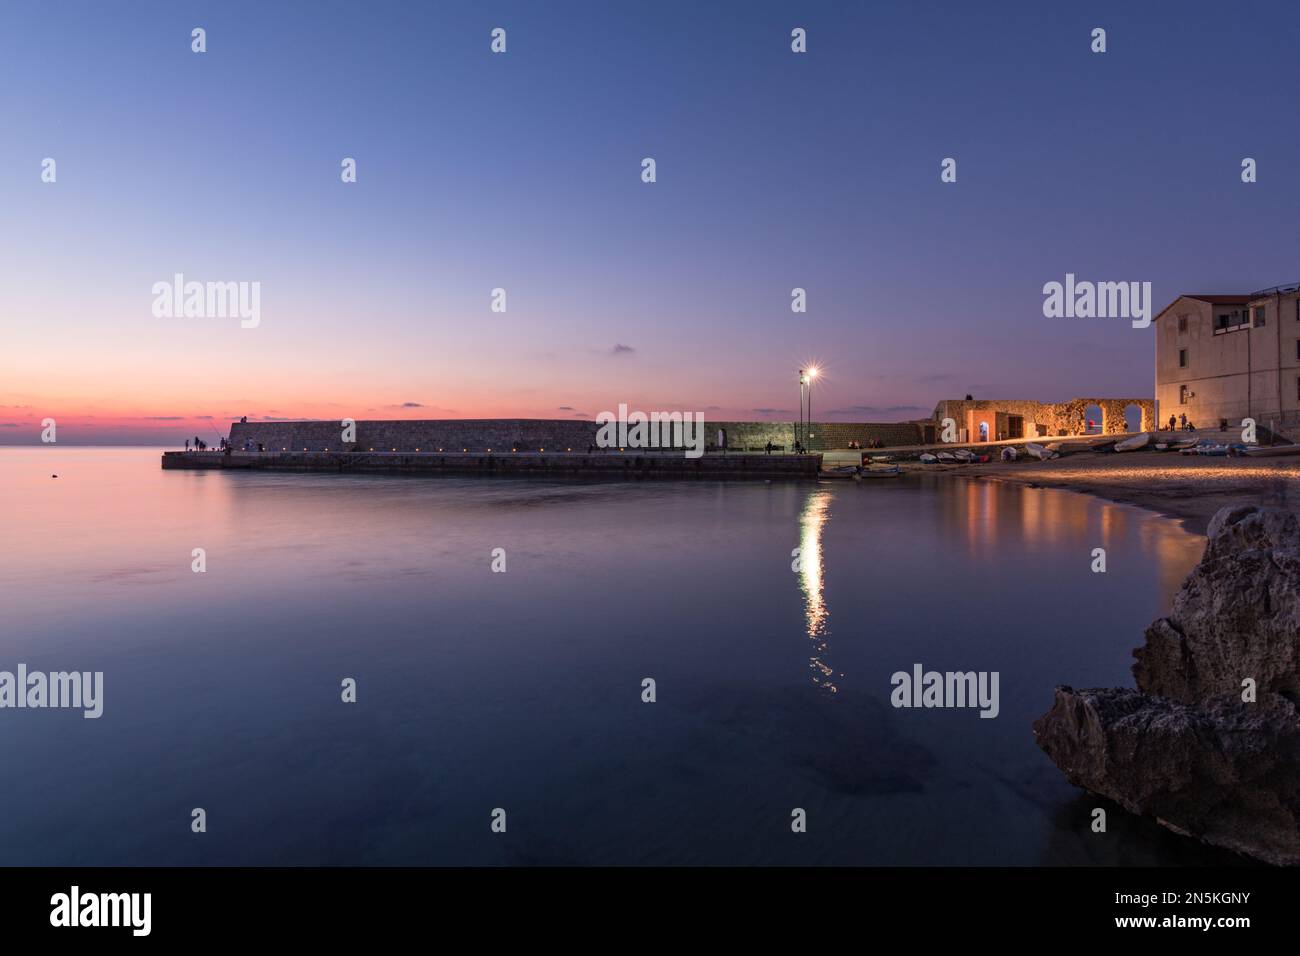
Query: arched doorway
<point x="984" y="431"/>
<point x="1092" y="420"/>
<point x="1132" y="418"/>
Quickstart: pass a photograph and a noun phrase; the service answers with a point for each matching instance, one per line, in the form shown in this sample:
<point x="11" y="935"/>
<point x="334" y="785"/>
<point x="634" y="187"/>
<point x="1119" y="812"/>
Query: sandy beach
<point x="1191" y="488"/>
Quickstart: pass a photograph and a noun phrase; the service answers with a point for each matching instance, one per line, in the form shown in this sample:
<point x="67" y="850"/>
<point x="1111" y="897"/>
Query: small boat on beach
<point x="893" y="472"/>
<point x="947" y="458"/>
<point x="1069" y="447"/>
<point x="1272" y="451"/>
<point x="1009" y="454"/>
<point x="965" y="454"/>
<point x="1134" y="443"/>
<point x="882" y="459"/>
<point x="928" y="459"/>
<point x="1040" y="452"/>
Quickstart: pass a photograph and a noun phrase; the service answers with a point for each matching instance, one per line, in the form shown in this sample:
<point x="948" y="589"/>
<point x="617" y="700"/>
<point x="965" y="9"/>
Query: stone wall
<point x="1054" y="418"/>
<point x="476" y="435"/>
<point x="534" y="434"/>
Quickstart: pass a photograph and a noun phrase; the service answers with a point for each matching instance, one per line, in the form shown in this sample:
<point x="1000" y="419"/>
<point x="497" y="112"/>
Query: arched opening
<point x="1132" y="417"/>
<point x="1092" y="420"/>
<point x="984" y="431"/>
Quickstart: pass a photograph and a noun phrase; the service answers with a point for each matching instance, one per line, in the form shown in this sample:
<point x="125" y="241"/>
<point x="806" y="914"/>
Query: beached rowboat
<point x="1273" y="451"/>
<point x="1134" y="443"/>
<point x="1039" y="452"/>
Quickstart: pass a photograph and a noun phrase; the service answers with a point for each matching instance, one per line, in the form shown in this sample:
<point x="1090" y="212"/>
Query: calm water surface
<point x="522" y="690"/>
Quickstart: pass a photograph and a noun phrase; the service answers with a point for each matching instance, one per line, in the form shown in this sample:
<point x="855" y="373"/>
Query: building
<point x="982" y="420"/>
<point x="1223" y="358"/>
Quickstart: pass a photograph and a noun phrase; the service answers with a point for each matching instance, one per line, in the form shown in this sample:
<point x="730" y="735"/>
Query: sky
<point x="523" y="171"/>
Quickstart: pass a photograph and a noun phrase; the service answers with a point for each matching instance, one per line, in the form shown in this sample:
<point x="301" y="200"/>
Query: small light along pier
<point x="536" y="464"/>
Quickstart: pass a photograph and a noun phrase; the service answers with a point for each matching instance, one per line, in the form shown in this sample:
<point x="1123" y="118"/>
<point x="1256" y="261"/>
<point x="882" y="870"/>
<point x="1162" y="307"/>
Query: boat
<point x="947" y="458"/>
<point x="893" y="472"/>
<point x="1184" y="443"/>
<point x="841" y="472"/>
<point x="964" y="454"/>
<point x="1038" y="451"/>
<point x="1009" y="454"/>
<point x="928" y="459"/>
<point x="882" y="459"/>
<point x="1134" y="443"/>
<point x="1272" y="451"/>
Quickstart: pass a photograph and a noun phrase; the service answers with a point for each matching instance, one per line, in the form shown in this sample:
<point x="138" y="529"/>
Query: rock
<point x="1227" y="773"/>
<point x="1236" y="616"/>
<point x="1184" y="748"/>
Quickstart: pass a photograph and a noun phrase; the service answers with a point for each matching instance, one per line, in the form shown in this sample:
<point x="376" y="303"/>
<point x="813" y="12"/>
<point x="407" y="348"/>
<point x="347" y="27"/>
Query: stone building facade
<point x="1003" y="419"/>
<point x="1224" y="358"/>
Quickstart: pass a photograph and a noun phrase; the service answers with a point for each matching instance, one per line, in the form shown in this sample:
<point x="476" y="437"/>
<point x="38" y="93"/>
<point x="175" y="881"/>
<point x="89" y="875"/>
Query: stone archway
<point x="1112" y="414"/>
<point x="1092" y="415"/>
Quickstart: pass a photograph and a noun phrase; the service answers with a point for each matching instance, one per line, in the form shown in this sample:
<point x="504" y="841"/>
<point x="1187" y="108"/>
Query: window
<point x="1182" y="394"/>
<point x="1259" y="316"/>
<point x="1229" y="321"/>
<point x="1182" y="355"/>
<point x="1182" y="319"/>
<point x="1297" y="348"/>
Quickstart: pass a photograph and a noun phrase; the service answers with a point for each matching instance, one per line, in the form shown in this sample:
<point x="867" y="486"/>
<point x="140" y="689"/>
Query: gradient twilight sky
<point x="522" y="171"/>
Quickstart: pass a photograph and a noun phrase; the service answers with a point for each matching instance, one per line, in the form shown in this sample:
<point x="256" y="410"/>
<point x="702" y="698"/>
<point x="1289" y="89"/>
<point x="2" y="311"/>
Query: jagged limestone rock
<point x="1184" y="747"/>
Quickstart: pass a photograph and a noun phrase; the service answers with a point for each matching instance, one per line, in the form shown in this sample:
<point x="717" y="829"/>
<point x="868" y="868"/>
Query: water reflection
<point x="812" y="522"/>
<point x="394" y="587"/>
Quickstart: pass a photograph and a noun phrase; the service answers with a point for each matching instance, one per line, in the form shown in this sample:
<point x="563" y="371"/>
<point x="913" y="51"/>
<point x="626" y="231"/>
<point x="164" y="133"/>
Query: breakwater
<point x="559" y="464"/>
<point x="468" y="435"/>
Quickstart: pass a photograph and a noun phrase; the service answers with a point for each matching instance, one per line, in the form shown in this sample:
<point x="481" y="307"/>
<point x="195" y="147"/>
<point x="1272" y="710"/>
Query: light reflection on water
<point x="522" y="690"/>
<point x="811" y="522"/>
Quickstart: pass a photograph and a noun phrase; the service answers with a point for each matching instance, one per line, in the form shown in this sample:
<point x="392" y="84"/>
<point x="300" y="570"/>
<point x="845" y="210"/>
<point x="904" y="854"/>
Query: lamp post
<point x="812" y="374"/>
<point x="799" y="429"/>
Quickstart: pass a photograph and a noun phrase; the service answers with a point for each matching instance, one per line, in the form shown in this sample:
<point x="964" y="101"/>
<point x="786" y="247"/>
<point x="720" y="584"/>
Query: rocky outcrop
<point x="1189" y="747"/>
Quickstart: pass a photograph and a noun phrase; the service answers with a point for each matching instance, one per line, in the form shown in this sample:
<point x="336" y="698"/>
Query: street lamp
<point x="812" y="374"/>
<point x="799" y="429"/>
